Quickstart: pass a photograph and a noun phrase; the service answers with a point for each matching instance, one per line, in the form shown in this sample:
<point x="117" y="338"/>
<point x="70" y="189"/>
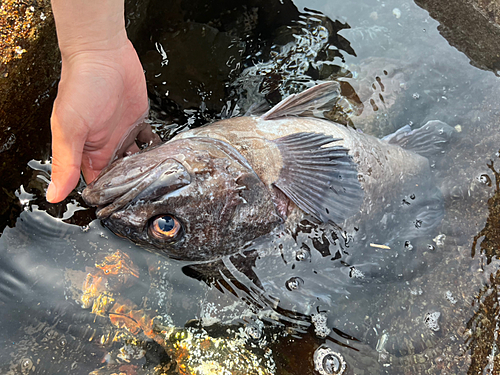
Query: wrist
<point x="89" y="25"/>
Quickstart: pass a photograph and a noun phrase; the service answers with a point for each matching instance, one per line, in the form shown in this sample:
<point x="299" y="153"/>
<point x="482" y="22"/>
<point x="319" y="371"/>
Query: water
<point x="432" y="309"/>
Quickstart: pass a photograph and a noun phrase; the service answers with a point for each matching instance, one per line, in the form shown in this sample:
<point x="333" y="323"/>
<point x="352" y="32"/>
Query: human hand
<point x="100" y="107"/>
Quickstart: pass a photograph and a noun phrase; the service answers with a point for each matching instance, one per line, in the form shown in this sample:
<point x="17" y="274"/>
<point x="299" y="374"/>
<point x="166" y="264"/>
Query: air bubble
<point x="408" y="245"/>
<point x="439" y="240"/>
<point x="294" y="283"/>
<point x="431" y="320"/>
<point x="449" y="297"/>
<point x="356" y="274"/>
<point x="331" y="364"/>
<point x="416" y="292"/>
<point x="320" y="325"/>
<point x="253" y="332"/>
<point x="26" y="365"/>
<point x="328" y="362"/>
<point x="485" y="179"/>
<point x="302" y="255"/>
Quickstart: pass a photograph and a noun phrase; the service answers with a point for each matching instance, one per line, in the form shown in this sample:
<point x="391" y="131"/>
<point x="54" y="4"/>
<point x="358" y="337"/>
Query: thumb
<point x="67" y="148"/>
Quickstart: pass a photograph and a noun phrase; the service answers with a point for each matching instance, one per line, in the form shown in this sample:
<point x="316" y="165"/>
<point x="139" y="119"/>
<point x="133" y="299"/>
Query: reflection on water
<point x="309" y="297"/>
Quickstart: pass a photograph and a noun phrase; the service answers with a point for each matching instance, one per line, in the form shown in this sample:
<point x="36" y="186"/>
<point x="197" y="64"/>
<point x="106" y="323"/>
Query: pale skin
<point x="102" y="99"/>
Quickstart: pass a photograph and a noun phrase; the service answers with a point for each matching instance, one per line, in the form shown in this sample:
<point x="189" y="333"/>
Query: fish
<point x="210" y="191"/>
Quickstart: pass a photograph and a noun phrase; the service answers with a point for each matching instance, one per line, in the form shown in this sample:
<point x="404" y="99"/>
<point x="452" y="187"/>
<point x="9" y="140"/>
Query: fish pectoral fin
<point x="321" y="180"/>
<point x="308" y="103"/>
<point x="429" y="140"/>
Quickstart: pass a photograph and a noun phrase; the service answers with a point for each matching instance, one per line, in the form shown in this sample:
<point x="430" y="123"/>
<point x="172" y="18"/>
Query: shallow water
<point x="433" y="309"/>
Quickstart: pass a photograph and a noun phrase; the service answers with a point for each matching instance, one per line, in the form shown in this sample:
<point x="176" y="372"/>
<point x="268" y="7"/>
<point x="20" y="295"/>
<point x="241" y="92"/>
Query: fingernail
<point x="51" y="192"/>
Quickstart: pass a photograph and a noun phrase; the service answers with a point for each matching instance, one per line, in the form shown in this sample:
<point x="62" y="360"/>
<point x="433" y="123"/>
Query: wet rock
<point x="471" y="26"/>
<point x="481" y="334"/>
<point x="29" y="69"/>
<point x="29" y="63"/>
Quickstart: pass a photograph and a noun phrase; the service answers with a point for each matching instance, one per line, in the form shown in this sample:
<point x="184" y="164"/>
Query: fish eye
<point x="165" y="227"/>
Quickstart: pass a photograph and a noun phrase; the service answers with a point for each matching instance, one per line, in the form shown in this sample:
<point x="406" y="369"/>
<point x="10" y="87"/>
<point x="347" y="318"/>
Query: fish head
<point x="190" y="199"/>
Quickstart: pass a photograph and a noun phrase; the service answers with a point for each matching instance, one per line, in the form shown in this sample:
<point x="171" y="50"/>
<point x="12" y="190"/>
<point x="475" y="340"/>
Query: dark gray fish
<point x="212" y="190"/>
<point x="298" y="217"/>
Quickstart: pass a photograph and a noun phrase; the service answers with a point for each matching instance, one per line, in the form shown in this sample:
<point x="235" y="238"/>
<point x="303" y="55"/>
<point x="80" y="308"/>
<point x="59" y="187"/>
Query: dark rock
<point x="29" y="70"/>
<point x="471" y="26"/>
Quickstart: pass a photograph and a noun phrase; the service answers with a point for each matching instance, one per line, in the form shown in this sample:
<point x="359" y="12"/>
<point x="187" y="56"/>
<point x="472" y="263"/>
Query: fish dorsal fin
<point x="322" y="181"/>
<point x="258" y="108"/>
<point x="306" y="103"/>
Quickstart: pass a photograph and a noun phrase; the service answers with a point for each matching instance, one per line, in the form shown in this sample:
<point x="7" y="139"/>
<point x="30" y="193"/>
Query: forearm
<point x="89" y="25"/>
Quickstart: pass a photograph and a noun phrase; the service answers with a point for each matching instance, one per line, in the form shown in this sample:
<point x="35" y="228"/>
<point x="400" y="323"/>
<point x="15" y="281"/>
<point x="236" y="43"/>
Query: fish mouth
<point x="162" y="177"/>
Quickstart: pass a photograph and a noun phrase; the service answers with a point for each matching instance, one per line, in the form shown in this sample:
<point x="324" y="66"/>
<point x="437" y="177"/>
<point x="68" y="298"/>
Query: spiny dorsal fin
<point x="322" y="181"/>
<point x="307" y="102"/>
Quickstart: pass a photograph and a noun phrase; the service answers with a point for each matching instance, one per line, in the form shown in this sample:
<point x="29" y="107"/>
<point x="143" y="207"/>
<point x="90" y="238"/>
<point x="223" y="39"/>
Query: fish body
<point x="210" y="191"/>
<point x="378" y="164"/>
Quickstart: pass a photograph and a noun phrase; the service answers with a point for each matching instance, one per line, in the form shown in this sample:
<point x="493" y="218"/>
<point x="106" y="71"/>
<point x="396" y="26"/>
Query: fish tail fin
<point x="429" y="141"/>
